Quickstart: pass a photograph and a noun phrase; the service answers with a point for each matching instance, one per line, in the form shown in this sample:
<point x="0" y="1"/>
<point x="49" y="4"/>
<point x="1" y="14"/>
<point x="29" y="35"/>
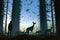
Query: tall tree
<point x="52" y="14"/>
<point x="1" y="15"/>
<point x="15" y="16"/>
<point x="57" y="15"/>
<point x="6" y="16"/>
<point x="43" y="18"/>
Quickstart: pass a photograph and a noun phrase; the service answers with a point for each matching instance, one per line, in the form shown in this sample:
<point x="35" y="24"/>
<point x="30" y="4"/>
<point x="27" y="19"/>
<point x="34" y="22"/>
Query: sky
<point x="29" y="13"/>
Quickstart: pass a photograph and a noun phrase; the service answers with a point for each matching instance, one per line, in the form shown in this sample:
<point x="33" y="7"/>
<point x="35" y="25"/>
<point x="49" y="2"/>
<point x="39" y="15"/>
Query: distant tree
<point x="6" y="15"/>
<point x="52" y="14"/>
<point x="1" y="15"/>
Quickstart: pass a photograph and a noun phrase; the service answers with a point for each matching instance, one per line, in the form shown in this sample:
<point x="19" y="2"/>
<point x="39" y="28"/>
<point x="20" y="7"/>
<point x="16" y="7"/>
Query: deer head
<point x="34" y="23"/>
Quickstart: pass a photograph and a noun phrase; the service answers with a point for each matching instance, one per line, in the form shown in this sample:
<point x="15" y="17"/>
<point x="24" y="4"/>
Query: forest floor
<point x="29" y="37"/>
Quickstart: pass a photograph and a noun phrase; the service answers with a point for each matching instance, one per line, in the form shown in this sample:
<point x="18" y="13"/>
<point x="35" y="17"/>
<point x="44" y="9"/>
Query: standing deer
<point x="10" y="28"/>
<point x="49" y="30"/>
<point x="30" y="28"/>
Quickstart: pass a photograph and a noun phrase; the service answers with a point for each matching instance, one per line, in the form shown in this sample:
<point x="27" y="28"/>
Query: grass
<point x="29" y="37"/>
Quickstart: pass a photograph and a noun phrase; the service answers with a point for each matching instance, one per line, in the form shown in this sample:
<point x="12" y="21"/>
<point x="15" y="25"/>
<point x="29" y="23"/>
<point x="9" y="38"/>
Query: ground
<point x="30" y="37"/>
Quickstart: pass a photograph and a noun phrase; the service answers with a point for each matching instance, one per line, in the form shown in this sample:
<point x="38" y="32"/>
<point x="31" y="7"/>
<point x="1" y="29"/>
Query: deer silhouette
<point x="10" y="28"/>
<point x="30" y="28"/>
<point x="49" y="30"/>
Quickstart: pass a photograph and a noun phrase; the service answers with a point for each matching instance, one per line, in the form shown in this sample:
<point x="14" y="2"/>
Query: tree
<point x="43" y="18"/>
<point x="15" y="16"/>
<point x="52" y="14"/>
<point x="57" y="15"/>
<point x="6" y="15"/>
<point x="1" y="15"/>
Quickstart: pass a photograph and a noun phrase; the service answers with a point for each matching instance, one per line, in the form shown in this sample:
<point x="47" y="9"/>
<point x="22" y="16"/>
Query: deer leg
<point x="31" y="30"/>
<point x="27" y="31"/>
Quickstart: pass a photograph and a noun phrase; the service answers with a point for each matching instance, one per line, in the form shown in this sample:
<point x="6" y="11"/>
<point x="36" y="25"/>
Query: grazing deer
<point x="49" y="30"/>
<point x="30" y="28"/>
<point x="10" y="28"/>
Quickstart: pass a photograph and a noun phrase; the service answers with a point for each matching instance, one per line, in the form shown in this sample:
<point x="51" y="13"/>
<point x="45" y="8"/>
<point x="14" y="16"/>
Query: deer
<point x="30" y="28"/>
<point x="10" y="28"/>
<point x="49" y="30"/>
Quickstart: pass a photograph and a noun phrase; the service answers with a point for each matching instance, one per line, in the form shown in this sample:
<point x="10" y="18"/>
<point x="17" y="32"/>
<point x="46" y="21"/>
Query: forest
<point x="37" y="19"/>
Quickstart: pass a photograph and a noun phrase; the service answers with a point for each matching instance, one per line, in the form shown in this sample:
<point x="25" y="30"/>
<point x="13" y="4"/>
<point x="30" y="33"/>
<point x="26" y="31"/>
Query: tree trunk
<point x="1" y="15"/>
<point x="52" y="14"/>
<point x="6" y="16"/>
<point x="43" y="18"/>
<point x="57" y="12"/>
<point x="15" y="16"/>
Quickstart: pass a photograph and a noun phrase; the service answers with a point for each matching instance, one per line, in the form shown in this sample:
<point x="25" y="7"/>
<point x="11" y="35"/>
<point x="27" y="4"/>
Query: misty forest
<point x="29" y="17"/>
